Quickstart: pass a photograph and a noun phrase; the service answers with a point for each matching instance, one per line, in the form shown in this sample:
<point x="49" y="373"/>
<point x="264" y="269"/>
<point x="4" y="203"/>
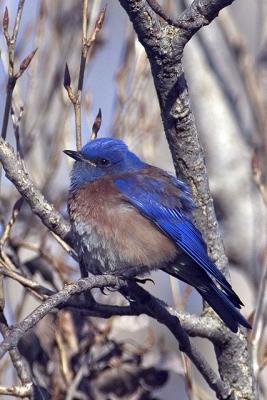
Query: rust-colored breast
<point x="117" y="231"/>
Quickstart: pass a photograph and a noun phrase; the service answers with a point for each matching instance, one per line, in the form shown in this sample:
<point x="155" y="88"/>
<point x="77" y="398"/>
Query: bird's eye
<point x="103" y="162"/>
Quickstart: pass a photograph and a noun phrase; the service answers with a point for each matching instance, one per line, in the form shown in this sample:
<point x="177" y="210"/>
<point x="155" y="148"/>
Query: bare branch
<point x="199" y="14"/>
<point x="16" y="126"/>
<point x="54" y="301"/>
<point x="45" y="211"/>
<point x="11" y="43"/>
<point x="18" y="362"/>
<point x="258" y="322"/>
<point x="17" y="21"/>
<point x="182" y="136"/>
<point x="151" y="306"/>
<point x="87" y="43"/>
<point x="40" y="291"/>
<point x="17" y="391"/>
<point x="8" y="227"/>
<point x="85" y="21"/>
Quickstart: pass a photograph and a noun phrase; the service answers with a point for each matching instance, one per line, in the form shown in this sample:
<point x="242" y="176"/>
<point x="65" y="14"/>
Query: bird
<point x="129" y="218"/>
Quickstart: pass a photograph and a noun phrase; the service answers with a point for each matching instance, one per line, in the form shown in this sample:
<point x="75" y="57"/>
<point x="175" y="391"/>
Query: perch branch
<point x="151" y="307"/>
<point x="14" y="169"/>
<point x="187" y="154"/>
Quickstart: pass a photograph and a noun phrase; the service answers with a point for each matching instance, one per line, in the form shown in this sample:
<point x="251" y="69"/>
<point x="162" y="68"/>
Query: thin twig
<point x="247" y="67"/>
<point x="12" y="76"/>
<point x="8" y="227"/>
<point x="87" y="43"/>
<point x="18" y="362"/>
<point x="72" y="390"/>
<point x="64" y="363"/>
<point x="16" y="125"/>
<point x="259" y="317"/>
<point x="65" y="246"/>
<point x="258" y="321"/>
<point x="38" y="290"/>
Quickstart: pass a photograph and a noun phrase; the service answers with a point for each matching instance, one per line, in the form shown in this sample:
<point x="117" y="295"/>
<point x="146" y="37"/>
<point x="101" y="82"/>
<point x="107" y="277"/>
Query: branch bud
<point x="6" y="24"/>
<point x="96" y="125"/>
<point x="67" y="78"/>
<point x="100" y="19"/>
<point x="25" y="63"/>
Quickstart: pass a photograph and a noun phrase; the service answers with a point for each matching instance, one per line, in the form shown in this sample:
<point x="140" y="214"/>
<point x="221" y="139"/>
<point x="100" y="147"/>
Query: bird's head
<point x="101" y="157"/>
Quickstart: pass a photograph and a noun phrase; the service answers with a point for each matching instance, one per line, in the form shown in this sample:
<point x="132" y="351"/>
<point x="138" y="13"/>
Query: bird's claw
<point x="111" y="290"/>
<point x="142" y="281"/>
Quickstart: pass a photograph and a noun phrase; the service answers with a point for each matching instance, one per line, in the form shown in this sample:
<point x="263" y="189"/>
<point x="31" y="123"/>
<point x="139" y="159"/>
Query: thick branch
<point x="164" y="45"/>
<point x="204" y="327"/>
<point x="52" y="302"/>
<point x="17" y="391"/>
<point x="177" y="116"/>
<point x="199" y="14"/>
<point x="15" y="172"/>
<point x="153" y="308"/>
<point x="150" y="306"/>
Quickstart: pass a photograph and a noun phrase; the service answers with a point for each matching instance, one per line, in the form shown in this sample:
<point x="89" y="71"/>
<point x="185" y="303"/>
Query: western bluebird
<point x="129" y="218"/>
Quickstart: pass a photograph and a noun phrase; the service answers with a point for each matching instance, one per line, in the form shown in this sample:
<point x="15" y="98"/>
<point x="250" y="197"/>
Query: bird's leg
<point x="88" y="297"/>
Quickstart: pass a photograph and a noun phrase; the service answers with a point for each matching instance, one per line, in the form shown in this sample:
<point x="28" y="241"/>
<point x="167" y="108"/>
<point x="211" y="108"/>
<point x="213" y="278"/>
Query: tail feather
<point x="225" y="303"/>
<point x="222" y="305"/>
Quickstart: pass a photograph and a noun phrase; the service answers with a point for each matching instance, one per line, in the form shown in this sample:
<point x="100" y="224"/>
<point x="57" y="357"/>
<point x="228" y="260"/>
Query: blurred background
<point x="74" y="357"/>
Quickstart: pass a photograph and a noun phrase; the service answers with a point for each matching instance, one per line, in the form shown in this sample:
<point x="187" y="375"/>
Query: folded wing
<point x="166" y="202"/>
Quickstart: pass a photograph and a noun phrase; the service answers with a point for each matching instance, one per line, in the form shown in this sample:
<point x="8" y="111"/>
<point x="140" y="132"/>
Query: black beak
<point x="76" y="155"/>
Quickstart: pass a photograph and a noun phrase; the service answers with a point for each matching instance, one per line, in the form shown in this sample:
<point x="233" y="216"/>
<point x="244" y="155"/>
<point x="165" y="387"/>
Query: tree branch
<point x="17" y="391"/>
<point x="199" y="14"/>
<point x="15" y="172"/>
<point x="152" y="307"/>
<point x="18" y="362"/>
<point x="87" y="43"/>
<point x="145" y="303"/>
<point x="164" y="45"/>
<point x="61" y="297"/>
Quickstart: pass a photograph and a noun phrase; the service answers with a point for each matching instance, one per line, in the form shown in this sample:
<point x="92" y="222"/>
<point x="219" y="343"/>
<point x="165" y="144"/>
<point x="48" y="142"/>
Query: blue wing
<point x="167" y="203"/>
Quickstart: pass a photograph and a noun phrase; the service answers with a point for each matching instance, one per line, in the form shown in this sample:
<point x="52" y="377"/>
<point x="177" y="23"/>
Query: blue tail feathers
<point x="223" y="306"/>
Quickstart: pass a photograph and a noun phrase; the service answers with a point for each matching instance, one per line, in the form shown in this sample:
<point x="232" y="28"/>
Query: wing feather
<point x="154" y="197"/>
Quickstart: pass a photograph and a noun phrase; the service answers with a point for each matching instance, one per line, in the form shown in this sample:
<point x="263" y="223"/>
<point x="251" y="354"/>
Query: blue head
<point x="101" y="157"/>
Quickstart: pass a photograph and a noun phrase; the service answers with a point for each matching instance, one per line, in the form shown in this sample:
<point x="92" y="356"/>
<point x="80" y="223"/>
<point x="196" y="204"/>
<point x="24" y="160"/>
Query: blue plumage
<point x="165" y="211"/>
<point x="108" y="174"/>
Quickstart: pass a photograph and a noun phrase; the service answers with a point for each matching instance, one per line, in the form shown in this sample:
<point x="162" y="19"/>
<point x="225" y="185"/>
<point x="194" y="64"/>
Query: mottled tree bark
<point x="164" y="40"/>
